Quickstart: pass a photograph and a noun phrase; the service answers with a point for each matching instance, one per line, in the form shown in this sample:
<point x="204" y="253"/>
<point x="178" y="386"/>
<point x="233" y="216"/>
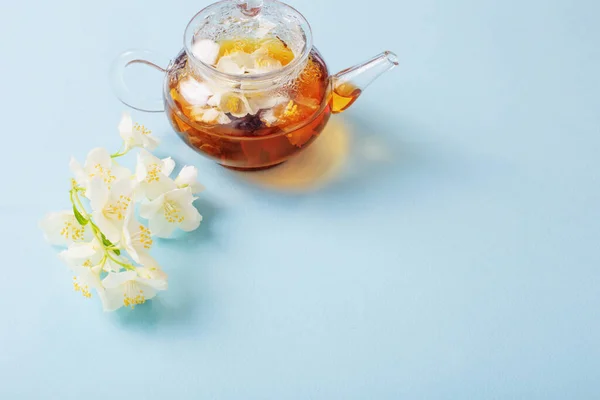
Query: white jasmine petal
<point x="196" y="112"/>
<point x="228" y="65"/>
<point x="82" y="251"/>
<point x="223" y="119"/>
<point x="235" y="104"/>
<point x="98" y="164"/>
<point x="194" y="92"/>
<point x="61" y="228"/>
<point x="84" y="260"/>
<point x="135" y="135"/>
<point x="264" y="64"/>
<point x="210" y="115"/>
<point x="214" y="100"/>
<point x="168" y="166"/>
<point x="110" y="265"/>
<point x="111" y="206"/>
<point x="188" y="177"/>
<point x="98" y="193"/>
<point x="129" y="289"/>
<point x="192" y="222"/>
<point x="86" y="279"/>
<point x="171" y="210"/>
<point x="125" y="126"/>
<point x="242" y="59"/>
<point x="137" y="238"/>
<point x="206" y="50"/>
<point x="114" y="280"/>
<point x="149" y="208"/>
<point x="262" y="102"/>
<point x="264" y="28"/>
<point x="153" y="174"/>
<point x="268" y="117"/>
<point x="78" y="171"/>
<point x="152" y="272"/>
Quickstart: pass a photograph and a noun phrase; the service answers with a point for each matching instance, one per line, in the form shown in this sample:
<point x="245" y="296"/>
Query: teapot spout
<point x="351" y="82"/>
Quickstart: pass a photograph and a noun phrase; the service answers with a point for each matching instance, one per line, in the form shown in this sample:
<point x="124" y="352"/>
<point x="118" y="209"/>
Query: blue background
<point x="440" y="241"/>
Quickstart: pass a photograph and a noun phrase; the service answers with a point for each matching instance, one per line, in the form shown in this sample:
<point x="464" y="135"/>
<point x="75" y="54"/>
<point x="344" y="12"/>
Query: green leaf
<point x="80" y="218"/>
<point x="108" y="243"/>
<point x="105" y="241"/>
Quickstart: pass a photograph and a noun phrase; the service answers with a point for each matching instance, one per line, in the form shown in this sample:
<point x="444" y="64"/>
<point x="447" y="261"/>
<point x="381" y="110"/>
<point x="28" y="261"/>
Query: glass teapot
<point x="248" y="89"/>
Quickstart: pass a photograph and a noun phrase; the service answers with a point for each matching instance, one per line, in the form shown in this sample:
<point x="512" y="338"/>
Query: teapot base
<point x="252" y="169"/>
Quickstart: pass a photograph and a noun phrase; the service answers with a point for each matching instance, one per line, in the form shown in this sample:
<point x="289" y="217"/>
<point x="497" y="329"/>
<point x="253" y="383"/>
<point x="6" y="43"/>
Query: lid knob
<point x="250" y="8"/>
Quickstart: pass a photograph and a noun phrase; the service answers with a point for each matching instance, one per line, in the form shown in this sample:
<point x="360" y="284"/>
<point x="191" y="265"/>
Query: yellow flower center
<point x="72" y="230"/>
<point x="172" y="212"/>
<point x="233" y="104"/>
<point x="141" y="129"/>
<point x="104" y="173"/>
<point x="144" y="237"/>
<point x="263" y="62"/>
<point x="118" y="208"/>
<point x="131" y="297"/>
<point x="85" y="292"/>
<point x="153" y="174"/>
<point x="291" y="109"/>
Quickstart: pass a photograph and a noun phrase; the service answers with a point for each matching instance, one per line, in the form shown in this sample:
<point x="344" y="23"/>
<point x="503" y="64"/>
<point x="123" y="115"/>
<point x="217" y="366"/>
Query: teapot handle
<point x="122" y="90"/>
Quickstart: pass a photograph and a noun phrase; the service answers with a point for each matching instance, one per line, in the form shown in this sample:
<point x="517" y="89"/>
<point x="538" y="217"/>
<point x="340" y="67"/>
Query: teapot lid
<point x="247" y="19"/>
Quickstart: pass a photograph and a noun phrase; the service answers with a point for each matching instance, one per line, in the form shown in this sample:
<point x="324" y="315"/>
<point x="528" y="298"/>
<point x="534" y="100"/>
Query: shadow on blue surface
<point x="376" y="156"/>
<point x="349" y="152"/>
<point x="159" y="314"/>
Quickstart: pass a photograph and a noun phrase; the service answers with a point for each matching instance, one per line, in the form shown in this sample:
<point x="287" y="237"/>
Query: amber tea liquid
<point x="248" y="142"/>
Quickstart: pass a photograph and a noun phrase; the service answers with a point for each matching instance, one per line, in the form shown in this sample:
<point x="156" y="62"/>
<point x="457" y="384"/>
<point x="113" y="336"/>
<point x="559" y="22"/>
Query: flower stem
<point x="122" y="264"/>
<point x="108" y="250"/>
<point x="77" y="203"/>
<point x="122" y="151"/>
